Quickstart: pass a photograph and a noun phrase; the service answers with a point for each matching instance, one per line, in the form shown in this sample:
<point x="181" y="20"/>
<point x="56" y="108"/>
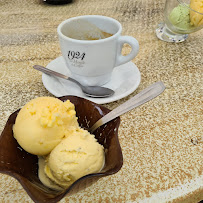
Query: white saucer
<point x="125" y="79"/>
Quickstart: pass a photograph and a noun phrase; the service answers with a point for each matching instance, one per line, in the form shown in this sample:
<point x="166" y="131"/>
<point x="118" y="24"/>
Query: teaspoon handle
<point x="144" y="96"/>
<point x="51" y="72"/>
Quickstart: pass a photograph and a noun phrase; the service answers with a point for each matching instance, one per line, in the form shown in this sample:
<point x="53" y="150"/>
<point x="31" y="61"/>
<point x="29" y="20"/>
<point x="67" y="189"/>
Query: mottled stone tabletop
<point x="161" y="163"/>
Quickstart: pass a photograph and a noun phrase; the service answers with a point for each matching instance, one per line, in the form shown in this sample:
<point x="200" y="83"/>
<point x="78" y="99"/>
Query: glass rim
<point x="186" y="5"/>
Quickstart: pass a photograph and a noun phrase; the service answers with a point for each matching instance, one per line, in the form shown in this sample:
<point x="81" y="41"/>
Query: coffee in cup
<point x="82" y="29"/>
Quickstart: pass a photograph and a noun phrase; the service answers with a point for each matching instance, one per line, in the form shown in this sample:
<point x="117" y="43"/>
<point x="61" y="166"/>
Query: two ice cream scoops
<point x="187" y="16"/>
<point x="48" y="127"/>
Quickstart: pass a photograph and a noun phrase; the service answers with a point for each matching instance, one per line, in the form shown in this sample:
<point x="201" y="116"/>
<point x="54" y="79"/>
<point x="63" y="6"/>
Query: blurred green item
<point x="180" y="17"/>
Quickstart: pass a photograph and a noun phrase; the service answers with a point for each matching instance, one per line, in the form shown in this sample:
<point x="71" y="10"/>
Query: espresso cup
<point x="91" y="62"/>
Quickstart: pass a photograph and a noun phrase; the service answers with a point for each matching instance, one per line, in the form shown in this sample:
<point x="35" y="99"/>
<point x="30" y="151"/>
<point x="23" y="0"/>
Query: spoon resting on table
<point x="144" y="96"/>
<point x="90" y="91"/>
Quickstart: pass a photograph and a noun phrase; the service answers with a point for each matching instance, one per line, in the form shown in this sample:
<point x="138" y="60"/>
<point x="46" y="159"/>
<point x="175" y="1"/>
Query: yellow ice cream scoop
<point x="196" y="19"/>
<point x="42" y="123"/>
<point x="75" y="156"/>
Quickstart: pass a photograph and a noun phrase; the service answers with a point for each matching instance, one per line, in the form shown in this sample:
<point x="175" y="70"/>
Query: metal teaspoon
<point x="144" y="96"/>
<point x="90" y="91"/>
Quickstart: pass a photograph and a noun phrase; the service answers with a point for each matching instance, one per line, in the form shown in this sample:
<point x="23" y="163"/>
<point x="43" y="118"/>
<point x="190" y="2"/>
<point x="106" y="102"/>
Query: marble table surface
<point x="161" y="163"/>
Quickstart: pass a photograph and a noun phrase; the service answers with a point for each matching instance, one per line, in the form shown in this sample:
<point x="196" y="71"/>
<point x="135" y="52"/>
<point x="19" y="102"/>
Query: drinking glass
<point x="181" y="17"/>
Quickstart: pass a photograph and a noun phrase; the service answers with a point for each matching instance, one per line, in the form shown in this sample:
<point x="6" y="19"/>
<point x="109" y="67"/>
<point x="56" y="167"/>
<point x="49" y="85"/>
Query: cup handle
<point x="120" y="59"/>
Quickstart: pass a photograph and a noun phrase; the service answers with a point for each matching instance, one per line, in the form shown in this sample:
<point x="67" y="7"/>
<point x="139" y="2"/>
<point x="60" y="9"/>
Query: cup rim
<point x="89" y="41"/>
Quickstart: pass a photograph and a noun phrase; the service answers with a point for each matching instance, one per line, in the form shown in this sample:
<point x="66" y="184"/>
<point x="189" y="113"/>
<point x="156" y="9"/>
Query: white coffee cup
<point x="91" y="62"/>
